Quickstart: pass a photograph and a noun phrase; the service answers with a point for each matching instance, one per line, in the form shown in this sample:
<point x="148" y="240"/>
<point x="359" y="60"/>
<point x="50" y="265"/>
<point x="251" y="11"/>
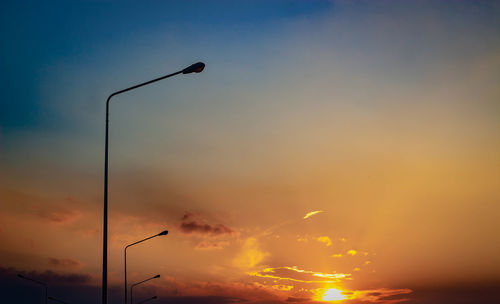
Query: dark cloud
<point x="51" y="277"/>
<point x="65" y="263"/>
<point x="71" y="287"/>
<point x="190" y="225"/>
<point x="203" y="300"/>
<point x="297" y="300"/>
<point x="484" y="293"/>
<point x="195" y="227"/>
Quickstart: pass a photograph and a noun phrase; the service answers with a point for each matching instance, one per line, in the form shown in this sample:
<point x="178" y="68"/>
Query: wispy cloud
<point x="212" y="245"/>
<point x="309" y="214"/>
<point x="59" y="216"/>
<point x="251" y="254"/>
<point x="65" y="263"/>
<point x="293" y="273"/>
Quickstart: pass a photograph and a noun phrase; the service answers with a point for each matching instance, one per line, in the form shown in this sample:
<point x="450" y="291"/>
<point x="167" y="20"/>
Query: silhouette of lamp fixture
<point x="133" y="285"/>
<point x="165" y="232"/>
<point x="57" y="300"/>
<point x="149" y="299"/>
<point x="38" y="282"/>
<point x="194" y="68"/>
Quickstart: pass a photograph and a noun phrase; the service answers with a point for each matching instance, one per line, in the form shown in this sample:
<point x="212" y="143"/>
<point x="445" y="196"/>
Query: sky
<point x="330" y="152"/>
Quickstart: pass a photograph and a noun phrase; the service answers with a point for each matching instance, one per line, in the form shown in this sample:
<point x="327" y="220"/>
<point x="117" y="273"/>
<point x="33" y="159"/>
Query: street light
<point x="165" y="232"/>
<point x="144" y="301"/>
<point x="133" y="285"/>
<point x="57" y="300"/>
<point x="194" y="68"/>
<point x="38" y="282"/>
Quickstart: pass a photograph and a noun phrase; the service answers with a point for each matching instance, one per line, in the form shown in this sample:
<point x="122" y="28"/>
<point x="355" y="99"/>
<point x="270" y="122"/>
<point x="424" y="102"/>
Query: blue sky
<point x="40" y="35"/>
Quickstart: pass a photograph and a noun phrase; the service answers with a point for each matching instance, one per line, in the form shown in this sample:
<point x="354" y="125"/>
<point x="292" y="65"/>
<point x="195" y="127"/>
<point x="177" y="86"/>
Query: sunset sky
<point x="330" y="152"/>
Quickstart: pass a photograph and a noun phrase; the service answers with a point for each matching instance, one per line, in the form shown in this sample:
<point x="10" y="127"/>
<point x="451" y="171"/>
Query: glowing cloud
<point x="308" y="215"/>
<point x="299" y="275"/>
<point x="282" y="287"/>
<point x="250" y="255"/>
<point x="352" y="252"/>
<point x="324" y="239"/>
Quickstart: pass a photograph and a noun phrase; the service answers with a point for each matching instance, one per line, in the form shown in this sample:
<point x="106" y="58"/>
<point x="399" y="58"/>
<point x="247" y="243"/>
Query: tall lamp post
<point x="38" y="282"/>
<point x="144" y="301"/>
<point x="133" y="285"/>
<point x="195" y="68"/>
<point x="125" y="256"/>
<point x="57" y="300"/>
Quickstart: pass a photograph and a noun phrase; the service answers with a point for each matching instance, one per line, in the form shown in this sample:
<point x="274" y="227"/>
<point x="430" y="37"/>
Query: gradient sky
<point x="330" y="149"/>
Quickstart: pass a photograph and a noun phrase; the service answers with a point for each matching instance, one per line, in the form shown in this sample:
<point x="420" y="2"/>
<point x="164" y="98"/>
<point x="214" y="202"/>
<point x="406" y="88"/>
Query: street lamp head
<point x="20" y="275"/>
<point x="157" y="276"/>
<point x="194" y="68"/>
<point x="163" y="233"/>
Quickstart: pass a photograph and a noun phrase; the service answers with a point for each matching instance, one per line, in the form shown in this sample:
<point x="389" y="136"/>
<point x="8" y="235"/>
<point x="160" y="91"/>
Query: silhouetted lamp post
<point x="144" y="301"/>
<point x="38" y="282"/>
<point x="195" y="68"/>
<point x="133" y="285"/>
<point x="57" y="300"/>
<point x="125" y="256"/>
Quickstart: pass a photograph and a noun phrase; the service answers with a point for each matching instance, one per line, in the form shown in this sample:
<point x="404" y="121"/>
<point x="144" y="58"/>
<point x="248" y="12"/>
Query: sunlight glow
<point x="332" y="294"/>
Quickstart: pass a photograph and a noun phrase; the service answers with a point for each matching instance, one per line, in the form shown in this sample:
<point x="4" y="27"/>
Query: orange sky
<point x="350" y="161"/>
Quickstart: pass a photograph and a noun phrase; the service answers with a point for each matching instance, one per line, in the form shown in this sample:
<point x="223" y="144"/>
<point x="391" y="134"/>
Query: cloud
<point x="65" y="286"/>
<point x="49" y="277"/>
<point x="352" y="252"/>
<point x="251" y="255"/>
<point x="189" y="225"/>
<point x="309" y="214"/>
<point x="203" y="300"/>
<point x="324" y="239"/>
<point x="382" y="295"/>
<point x="282" y="287"/>
<point x="61" y="216"/>
<point x="65" y="263"/>
<point x="299" y="275"/>
<point x="212" y="245"/>
<point x="195" y="227"/>
<point x="297" y="300"/>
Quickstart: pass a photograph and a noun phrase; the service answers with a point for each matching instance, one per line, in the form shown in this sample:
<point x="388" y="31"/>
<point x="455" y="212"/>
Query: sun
<point x="332" y="294"/>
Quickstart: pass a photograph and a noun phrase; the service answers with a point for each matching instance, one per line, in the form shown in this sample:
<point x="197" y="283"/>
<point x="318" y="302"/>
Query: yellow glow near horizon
<point x="332" y="294"/>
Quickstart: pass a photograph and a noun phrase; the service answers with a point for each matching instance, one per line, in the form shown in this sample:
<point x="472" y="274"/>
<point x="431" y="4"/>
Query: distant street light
<point x="38" y="282"/>
<point x="165" y="232"/>
<point x="133" y="285"/>
<point x="144" y="301"/>
<point x="57" y="300"/>
<point x="194" y="68"/>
